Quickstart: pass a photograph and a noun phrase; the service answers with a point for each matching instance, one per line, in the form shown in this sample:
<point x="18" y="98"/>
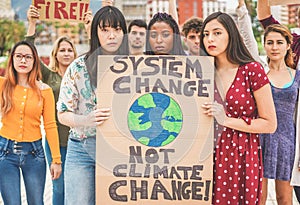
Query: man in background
<point x="137" y="37"/>
<point x="191" y="32"/>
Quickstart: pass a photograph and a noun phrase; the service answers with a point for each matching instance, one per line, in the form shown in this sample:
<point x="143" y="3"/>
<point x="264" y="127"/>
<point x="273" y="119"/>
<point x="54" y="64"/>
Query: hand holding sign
<point x="32" y="14"/>
<point x="216" y="110"/>
<point x="96" y="117"/>
<point x="88" y="18"/>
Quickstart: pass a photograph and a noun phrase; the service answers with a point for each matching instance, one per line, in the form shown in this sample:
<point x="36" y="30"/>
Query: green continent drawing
<point x="155" y="119"/>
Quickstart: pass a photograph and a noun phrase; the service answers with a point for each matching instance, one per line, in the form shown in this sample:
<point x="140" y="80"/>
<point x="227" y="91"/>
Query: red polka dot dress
<point x="237" y="156"/>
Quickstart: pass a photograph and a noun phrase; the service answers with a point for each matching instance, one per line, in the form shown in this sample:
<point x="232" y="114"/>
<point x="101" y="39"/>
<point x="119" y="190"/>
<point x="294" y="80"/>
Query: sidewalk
<point x="48" y="194"/>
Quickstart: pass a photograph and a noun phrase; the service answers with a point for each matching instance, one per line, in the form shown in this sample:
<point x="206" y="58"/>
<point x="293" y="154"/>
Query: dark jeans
<point x="29" y="158"/>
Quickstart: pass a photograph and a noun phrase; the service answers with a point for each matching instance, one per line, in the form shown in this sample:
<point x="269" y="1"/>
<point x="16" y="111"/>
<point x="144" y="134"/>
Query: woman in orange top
<point x="24" y="100"/>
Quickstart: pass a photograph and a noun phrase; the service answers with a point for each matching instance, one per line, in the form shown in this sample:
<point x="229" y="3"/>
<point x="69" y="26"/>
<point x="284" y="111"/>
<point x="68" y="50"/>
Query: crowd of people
<point x="255" y="106"/>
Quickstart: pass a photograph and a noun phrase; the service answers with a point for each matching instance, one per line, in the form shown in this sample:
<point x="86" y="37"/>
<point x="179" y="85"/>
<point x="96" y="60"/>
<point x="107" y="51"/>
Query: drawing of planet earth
<point x="155" y="119"/>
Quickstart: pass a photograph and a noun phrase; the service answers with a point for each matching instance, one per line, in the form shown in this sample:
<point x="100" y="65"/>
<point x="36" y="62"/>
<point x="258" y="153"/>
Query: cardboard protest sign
<point x="283" y="2"/>
<point x="157" y="145"/>
<point x="61" y="10"/>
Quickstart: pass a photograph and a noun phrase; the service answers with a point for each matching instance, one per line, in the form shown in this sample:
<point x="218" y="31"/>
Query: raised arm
<point x="245" y="27"/>
<point x="88" y="18"/>
<point x="263" y="9"/>
<point x="173" y="10"/>
<point x="246" y="31"/>
<point x="32" y="16"/>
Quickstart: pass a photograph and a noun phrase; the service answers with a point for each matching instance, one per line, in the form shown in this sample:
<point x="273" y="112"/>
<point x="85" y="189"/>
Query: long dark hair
<point x="168" y="19"/>
<point x="237" y="52"/>
<point x="106" y="16"/>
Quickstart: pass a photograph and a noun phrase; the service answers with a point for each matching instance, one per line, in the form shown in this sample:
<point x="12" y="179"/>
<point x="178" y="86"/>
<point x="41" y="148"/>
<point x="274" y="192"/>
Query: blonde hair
<point x="11" y="79"/>
<point x="53" y="65"/>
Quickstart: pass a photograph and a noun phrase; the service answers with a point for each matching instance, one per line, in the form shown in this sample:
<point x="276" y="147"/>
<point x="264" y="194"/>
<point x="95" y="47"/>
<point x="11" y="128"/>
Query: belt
<point x="81" y="140"/>
<point x="74" y="140"/>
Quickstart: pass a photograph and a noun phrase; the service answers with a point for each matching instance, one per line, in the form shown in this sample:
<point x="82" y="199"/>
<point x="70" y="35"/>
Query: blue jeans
<point x="58" y="192"/>
<point x="80" y="172"/>
<point x="28" y="157"/>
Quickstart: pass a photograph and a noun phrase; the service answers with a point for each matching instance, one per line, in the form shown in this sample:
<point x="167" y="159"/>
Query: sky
<point x="231" y="3"/>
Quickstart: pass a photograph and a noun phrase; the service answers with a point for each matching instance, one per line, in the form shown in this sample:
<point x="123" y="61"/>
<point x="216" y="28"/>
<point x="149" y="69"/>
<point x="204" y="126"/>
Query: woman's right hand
<point x="97" y="117"/>
<point x="216" y="110"/>
<point x="32" y="14"/>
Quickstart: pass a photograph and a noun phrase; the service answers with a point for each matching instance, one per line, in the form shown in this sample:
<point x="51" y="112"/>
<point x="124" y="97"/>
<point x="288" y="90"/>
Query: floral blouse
<point x="77" y="96"/>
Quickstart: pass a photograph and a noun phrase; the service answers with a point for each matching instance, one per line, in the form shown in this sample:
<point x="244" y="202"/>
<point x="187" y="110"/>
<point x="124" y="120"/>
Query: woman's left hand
<point x="216" y="110"/>
<point x="55" y="170"/>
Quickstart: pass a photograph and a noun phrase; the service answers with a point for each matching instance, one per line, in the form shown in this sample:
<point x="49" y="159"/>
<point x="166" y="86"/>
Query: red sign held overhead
<point x="58" y="10"/>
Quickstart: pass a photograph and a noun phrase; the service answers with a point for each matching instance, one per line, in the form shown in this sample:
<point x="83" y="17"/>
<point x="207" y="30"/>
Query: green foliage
<point x="290" y="26"/>
<point x="56" y="25"/>
<point x="81" y="26"/>
<point x="39" y="28"/>
<point x="261" y="48"/>
<point x="10" y="33"/>
<point x="66" y="25"/>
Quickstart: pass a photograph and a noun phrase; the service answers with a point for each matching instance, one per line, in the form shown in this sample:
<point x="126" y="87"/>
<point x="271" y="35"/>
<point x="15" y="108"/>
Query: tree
<point x="10" y="33"/>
